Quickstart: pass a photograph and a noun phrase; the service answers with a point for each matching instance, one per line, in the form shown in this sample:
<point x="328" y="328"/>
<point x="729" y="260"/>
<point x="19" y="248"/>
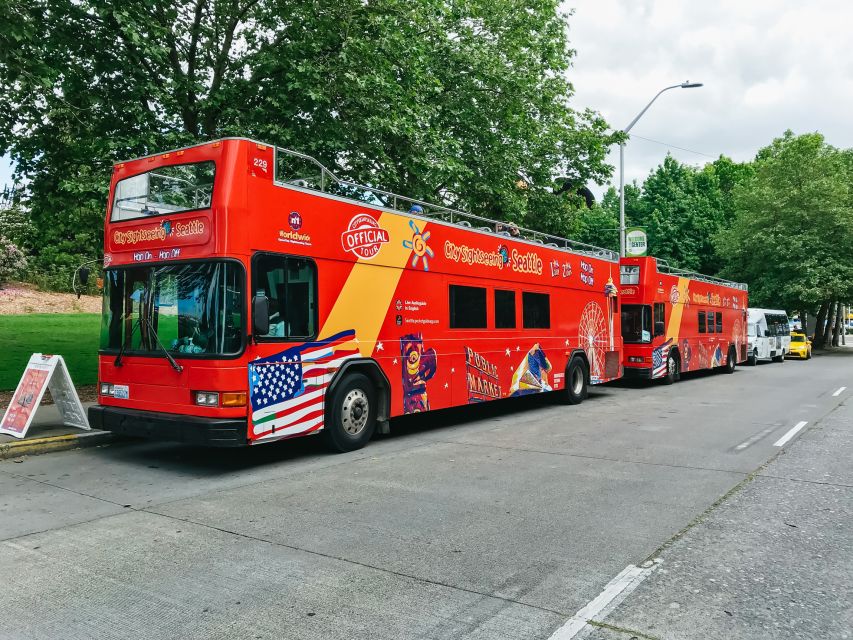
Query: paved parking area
<point x="485" y="522"/>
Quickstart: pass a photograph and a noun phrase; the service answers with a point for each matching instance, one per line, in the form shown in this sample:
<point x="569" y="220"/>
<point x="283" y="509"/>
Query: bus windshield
<point x="636" y="323"/>
<point x="164" y="190"/>
<point x="191" y="308"/>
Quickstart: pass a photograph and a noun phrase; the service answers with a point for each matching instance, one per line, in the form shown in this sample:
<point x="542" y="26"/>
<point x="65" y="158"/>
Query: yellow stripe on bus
<point x="673" y="328"/>
<point x="369" y="290"/>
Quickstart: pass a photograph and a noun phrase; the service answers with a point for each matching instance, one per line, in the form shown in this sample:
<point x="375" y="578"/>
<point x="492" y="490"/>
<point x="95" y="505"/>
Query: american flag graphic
<point x="659" y="357"/>
<point x="288" y="390"/>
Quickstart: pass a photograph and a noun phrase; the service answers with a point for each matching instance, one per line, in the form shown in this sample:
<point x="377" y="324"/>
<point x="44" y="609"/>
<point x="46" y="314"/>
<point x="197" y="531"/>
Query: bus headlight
<point x="106" y="389"/>
<point x="207" y="398"/>
<point x="636" y="359"/>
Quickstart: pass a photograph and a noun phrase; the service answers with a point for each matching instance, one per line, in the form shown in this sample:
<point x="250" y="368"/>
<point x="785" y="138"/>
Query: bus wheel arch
<point x="576" y="378"/>
<point x="359" y="381"/>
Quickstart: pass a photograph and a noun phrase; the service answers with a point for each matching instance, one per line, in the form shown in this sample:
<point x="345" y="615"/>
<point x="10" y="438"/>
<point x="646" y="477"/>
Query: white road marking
<point x="839" y="392"/>
<point x="623" y="584"/>
<point x="751" y="441"/>
<point x="781" y="441"/>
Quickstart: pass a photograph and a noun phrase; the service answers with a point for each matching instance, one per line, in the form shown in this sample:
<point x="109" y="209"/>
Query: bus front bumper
<point x="207" y="432"/>
<point x="637" y="373"/>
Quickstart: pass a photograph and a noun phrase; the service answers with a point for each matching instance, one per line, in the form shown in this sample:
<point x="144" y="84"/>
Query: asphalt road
<point x="497" y="521"/>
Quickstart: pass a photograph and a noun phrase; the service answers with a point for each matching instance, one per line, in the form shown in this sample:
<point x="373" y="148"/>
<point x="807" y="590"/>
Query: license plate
<point x="121" y="391"/>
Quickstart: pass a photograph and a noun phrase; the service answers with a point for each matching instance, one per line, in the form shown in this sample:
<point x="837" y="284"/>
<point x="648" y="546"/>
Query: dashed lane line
<point x="791" y="433"/>
<point x="838" y="392"/>
<point x="623" y="584"/>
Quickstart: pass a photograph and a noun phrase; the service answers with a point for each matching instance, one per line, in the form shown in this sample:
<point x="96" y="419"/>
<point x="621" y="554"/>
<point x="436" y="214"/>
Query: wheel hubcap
<point x="355" y="411"/>
<point x="577" y="380"/>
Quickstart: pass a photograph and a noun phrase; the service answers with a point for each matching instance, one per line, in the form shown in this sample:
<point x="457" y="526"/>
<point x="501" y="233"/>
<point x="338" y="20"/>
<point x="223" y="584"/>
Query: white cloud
<point x="767" y="66"/>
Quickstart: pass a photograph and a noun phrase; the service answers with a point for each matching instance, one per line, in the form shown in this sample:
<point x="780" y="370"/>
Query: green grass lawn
<point x="74" y="336"/>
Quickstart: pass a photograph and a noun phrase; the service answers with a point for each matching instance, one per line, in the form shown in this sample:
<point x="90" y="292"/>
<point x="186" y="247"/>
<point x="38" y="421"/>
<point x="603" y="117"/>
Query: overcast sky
<point x="767" y="66"/>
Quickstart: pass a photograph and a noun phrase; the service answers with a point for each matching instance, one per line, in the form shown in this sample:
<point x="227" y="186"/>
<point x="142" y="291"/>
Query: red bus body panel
<point x="683" y="298"/>
<point x="383" y="279"/>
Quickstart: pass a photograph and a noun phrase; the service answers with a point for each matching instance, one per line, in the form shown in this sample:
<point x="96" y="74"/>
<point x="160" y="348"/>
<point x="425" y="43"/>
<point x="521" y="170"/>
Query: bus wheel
<point x="576" y="377"/>
<point x="352" y="415"/>
<point x="752" y="360"/>
<point x="672" y="370"/>
<point x="731" y="361"/>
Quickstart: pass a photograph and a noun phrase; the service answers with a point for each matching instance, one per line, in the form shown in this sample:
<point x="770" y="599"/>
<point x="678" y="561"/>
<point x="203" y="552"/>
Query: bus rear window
<point x="164" y="191"/>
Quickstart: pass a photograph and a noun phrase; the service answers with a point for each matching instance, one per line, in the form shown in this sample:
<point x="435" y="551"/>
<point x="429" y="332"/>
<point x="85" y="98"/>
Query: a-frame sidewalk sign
<point x="43" y="372"/>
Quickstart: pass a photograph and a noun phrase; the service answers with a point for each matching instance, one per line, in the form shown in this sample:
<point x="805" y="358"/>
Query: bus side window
<point x="660" y="319"/>
<point x="504" y="309"/>
<point x="290" y="284"/>
<point x="719" y="321"/>
<point x="701" y="322"/>
<point x="467" y="307"/>
<point x="536" y="310"/>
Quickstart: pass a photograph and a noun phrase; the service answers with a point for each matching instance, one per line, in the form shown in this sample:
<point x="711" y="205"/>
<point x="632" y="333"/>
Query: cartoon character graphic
<point x="418" y="367"/>
<point x="686" y="355"/>
<point x="531" y="375"/>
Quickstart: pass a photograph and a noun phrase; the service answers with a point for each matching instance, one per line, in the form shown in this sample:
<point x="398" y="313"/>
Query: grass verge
<point x="74" y="336"/>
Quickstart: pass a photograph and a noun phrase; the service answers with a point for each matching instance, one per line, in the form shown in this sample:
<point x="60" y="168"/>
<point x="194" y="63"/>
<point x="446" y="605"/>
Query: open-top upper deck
<point x="299" y="171"/>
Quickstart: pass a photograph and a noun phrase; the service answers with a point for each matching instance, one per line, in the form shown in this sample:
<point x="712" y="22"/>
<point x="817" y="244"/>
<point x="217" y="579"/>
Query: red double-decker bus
<point x="252" y="296"/>
<point x="675" y="320"/>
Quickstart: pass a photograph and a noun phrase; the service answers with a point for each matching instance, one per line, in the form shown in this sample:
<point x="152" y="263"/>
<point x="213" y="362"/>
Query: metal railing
<point x="664" y="267"/>
<point x="311" y="174"/>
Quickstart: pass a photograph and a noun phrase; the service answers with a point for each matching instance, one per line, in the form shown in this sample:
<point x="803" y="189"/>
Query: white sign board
<point x="43" y="372"/>
<point x="636" y="243"/>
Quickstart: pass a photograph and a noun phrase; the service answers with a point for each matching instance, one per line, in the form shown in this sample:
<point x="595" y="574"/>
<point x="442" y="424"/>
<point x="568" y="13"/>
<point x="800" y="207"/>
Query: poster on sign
<point x="43" y="373"/>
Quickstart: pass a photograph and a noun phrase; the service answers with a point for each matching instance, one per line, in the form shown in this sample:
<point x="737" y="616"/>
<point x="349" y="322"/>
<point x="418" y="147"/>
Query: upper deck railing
<point x="298" y="169"/>
<point x="664" y="267"/>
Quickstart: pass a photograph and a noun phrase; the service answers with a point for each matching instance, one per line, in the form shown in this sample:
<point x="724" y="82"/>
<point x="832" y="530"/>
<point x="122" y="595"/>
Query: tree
<point x="793" y="234"/>
<point x="436" y="100"/>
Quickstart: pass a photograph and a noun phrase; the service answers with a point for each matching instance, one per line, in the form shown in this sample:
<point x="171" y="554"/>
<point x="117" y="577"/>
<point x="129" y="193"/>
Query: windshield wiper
<point x="117" y="362"/>
<point x="165" y="351"/>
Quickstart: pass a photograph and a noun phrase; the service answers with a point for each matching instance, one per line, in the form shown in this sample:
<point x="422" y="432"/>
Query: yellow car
<point x="801" y="347"/>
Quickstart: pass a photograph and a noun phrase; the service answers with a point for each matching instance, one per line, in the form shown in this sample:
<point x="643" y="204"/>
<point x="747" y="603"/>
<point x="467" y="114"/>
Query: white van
<point x="769" y="335"/>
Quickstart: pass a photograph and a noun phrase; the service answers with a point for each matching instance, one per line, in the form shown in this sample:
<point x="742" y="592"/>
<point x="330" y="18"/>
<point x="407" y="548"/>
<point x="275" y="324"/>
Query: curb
<point x="37" y="446"/>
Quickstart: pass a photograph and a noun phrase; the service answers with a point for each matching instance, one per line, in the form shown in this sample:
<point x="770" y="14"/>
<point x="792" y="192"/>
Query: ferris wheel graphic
<point x="593" y="338"/>
<point x="737" y="334"/>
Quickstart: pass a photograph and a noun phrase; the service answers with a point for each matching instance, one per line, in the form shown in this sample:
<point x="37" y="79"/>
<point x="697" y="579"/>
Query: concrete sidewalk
<point x="47" y="433"/>
<point x="773" y="561"/>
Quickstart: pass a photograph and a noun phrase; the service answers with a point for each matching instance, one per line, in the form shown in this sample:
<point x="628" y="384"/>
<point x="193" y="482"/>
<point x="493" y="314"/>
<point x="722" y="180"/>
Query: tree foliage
<point x="792" y="238"/>
<point x="449" y="101"/>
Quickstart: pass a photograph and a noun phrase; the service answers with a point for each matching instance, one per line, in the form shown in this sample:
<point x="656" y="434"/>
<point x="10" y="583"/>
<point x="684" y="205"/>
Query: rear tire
<point x="351" y="414"/>
<point x="576" y="381"/>
<point x="731" y="361"/>
<point x="779" y="358"/>
<point x="673" y="370"/>
<point x="752" y="360"/>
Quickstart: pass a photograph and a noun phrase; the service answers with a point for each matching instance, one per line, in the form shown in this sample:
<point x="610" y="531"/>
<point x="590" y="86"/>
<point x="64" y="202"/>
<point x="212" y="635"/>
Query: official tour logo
<point x="364" y="237"/>
<point x="294" y="220"/>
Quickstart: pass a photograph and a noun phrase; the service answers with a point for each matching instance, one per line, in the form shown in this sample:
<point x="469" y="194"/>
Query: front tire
<point x="673" y="370"/>
<point x="351" y="414"/>
<point x="779" y="358"/>
<point x="576" y="381"/>
<point x="752" y="360"/>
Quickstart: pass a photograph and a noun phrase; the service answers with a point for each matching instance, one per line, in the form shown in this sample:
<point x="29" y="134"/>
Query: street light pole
<point x="683" y="85"/>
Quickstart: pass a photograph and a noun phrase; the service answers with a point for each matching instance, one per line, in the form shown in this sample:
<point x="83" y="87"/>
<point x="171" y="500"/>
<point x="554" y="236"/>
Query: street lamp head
<point x="690" y="85"/>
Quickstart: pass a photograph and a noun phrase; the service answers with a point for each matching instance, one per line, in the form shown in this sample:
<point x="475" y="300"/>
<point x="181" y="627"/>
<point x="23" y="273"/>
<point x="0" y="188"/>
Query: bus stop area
<point x="691" y="511"/>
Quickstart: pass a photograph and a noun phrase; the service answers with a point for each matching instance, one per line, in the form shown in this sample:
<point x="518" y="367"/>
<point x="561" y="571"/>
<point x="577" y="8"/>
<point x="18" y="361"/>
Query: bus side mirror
<point x="659" y="330"/>
<point x="767" y="333"/>
<point x="83" y="274"/>
<point x="260" y="315"/>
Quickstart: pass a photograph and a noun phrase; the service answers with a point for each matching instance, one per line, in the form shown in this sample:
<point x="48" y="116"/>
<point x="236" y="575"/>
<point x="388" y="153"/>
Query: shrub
<point x="13" y="262"/>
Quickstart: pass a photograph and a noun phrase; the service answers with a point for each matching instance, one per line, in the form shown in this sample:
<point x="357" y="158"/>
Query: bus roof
<point x="664" y="267"/>
<point x="324" y="181"/>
